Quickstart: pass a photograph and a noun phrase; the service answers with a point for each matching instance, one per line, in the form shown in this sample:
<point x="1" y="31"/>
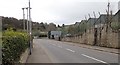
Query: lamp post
<point x="23" y="18"/>
<point x="29" y="25"/>
<point x="27" y="20"/>
<point x="30" y="28"/>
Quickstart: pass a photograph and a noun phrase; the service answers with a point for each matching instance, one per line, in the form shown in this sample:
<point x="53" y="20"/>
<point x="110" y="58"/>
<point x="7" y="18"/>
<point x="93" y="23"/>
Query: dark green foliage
<point x="10" y="22"/>
<point x="71" y="30"/>
<point x="115" y="25"/>
<point x="42" y="35"/>
<point x="13" y="45"/>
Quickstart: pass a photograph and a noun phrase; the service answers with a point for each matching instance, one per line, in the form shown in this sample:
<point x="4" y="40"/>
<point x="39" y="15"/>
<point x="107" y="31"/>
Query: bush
<point x="13" y="45"/>
<point x="42" y="35"/>
<point x="115" y="25"/>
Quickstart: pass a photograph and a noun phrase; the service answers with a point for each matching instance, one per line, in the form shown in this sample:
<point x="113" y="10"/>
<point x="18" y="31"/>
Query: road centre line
<point x="70" y="50"/>
<point x="84" y="55"/>
<point x="60" y="46"/>
<point x="53" y="44"/>
<point x="93" y="58"/>
<point x="66" y="48"/>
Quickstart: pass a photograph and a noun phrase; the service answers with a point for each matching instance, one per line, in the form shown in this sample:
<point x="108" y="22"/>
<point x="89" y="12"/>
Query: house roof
<point x="77" y="23"/>
<point x="118" y="13"/>
<point x="116" y="16"/>
<point x="101" y="19"/>
<point x="91" y="21"/>
<point x="83" y="21"/>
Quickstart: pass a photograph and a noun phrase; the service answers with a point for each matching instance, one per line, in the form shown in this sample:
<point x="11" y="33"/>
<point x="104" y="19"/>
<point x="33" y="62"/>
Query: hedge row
<point x="42" y="35"/>
<point x="13" y="45"/>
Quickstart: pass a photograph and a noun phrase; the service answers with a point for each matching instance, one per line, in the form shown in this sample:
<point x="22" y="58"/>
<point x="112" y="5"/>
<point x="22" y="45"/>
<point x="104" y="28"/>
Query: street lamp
<point x="29" y="25"/>
<point x="30" y="28"/>
<point x="27" y="20"/>
<point x="23" y="19"/>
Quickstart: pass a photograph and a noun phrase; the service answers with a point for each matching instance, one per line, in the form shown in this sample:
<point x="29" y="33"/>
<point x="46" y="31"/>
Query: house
<point x="116" y="21"/>
<point x="91" y="22"/>
<point x="83" y="21"/>
<point x="117" y="17"/>
<point x="77" y="23"/>
<point x="101" y="21"/>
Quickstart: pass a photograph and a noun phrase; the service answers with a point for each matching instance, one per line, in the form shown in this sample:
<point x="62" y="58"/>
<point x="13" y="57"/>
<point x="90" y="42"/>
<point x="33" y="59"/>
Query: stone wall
<point x="90" y="37"/>
<point x="109" y="39"/>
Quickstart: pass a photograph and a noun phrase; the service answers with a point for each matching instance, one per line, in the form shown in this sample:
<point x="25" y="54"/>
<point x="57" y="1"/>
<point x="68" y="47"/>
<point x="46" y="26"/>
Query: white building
<point x="55" y="34"/>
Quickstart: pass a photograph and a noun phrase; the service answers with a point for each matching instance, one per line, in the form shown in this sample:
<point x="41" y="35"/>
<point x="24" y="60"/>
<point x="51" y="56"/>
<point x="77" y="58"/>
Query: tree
<point x="71" y="30"/>
<point x="8" y="22"/>
<point x="42" y="26"/>
<point x="63" y="25"/>
<point x="58" y="26"/>
<point x="52" y="27"/>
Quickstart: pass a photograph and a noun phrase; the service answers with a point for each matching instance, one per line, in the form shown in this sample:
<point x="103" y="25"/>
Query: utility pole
<point x="30" y="28"/>
<point x="108" y="18"/>
<point x="23" y="18"/>
<point x="27" y="20"/>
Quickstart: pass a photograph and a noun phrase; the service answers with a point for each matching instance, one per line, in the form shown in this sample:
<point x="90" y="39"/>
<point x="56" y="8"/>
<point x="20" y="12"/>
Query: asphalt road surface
<point x="59" y="52"/>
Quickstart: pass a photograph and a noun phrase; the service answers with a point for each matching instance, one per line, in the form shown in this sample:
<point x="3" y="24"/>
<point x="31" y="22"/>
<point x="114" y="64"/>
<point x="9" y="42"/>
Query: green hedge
<point x="13" y="45"/>
<point x="42" y="35"/>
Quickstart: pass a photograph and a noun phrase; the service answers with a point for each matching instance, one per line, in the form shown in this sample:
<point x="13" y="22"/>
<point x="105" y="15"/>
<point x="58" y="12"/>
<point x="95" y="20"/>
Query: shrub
<point x="13" y="45"/>
<point x="42" y="35"/>
<point x="115" y="25"/>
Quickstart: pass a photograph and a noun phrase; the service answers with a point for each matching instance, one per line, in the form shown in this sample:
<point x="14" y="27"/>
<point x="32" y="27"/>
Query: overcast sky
<point x="57" y="11"/>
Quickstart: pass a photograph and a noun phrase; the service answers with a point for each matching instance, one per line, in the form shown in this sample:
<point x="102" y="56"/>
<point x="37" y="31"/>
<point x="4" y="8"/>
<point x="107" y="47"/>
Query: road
<point x="59" y="52"/>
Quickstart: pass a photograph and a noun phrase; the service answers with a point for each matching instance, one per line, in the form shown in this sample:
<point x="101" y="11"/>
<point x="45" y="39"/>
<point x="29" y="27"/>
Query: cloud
<point x="56" y="11"/>
<point x="72" y="12"/>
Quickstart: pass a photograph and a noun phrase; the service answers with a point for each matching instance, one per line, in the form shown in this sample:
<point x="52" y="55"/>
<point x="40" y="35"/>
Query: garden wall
<point x="109" y="39"/>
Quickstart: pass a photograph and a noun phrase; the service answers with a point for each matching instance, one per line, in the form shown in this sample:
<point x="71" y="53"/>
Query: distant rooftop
<point x="101" y="19"/>
<point x="91" y="21"/>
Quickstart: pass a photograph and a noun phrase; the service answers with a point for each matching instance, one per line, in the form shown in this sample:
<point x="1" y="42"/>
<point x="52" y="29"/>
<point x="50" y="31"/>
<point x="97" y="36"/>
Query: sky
<point x="57" y="11"/>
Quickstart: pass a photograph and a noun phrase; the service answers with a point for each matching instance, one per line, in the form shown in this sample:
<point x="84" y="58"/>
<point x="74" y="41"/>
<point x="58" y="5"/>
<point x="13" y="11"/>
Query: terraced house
<point x="97" y="32"/>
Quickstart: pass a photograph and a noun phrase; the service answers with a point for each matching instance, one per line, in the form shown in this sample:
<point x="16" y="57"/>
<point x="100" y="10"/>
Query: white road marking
<point x="93" y="58"/>
<point x="70" y="50"/>
<point x="54" y="44"/>
<point x="60" y="46"/>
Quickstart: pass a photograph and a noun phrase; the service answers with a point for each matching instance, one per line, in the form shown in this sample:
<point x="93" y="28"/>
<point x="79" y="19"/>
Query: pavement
<point x="38" y="55"/>
<point x="50" y="51"/>
<point x="24" y="56"/>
